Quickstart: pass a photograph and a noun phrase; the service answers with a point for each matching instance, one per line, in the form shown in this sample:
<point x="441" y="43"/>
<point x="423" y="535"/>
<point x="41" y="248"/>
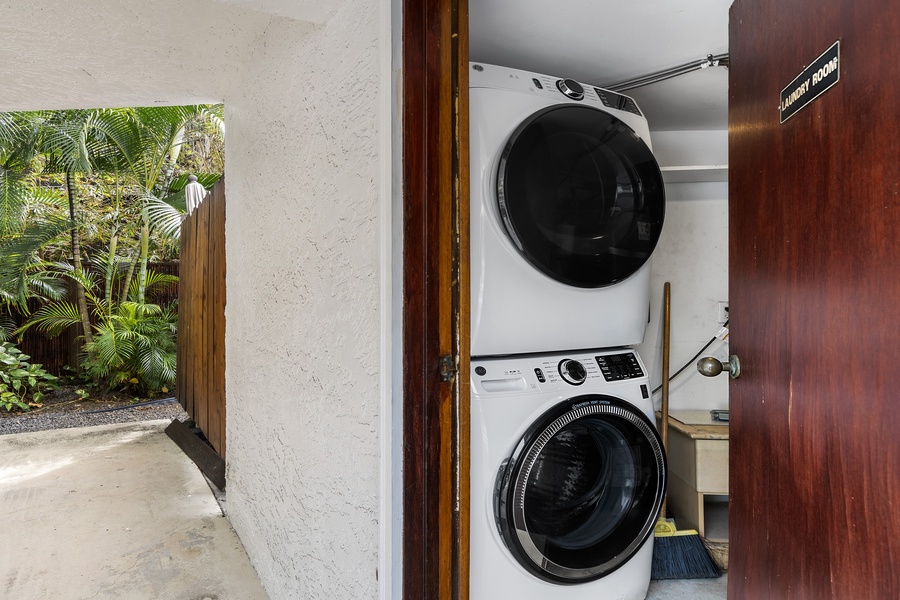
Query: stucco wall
<point x="303" y="305"/>
<point x="104" y="53"/>
<point x="306" y="166"/>
<point x="693" y="256"/>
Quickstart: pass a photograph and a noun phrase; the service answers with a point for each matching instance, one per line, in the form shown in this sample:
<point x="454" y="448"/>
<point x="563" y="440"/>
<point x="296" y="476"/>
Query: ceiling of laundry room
<point x="601" y="42"/>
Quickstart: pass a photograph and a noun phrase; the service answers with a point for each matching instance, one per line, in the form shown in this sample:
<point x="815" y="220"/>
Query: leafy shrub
<point x="135" y="347"/>
<point x="133" y="343"/>
<point x="19" y="379"/>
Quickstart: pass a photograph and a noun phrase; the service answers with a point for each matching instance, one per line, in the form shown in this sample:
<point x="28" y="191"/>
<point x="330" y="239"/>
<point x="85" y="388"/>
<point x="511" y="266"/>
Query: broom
<point x="676" y="554"/>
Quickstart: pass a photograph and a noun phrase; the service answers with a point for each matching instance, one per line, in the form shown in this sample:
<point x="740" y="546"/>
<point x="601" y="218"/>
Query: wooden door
<point x="815" y="304"/>
<point x="435" y="300"/>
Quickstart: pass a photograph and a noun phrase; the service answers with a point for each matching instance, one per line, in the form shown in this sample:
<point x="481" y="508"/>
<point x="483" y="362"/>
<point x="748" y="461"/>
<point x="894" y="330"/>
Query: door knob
<point x="710" y="367"/>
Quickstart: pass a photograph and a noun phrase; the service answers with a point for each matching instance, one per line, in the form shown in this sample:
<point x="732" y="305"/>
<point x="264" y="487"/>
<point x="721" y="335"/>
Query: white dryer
<point x="568" y="474"/>
<point x="567" y="205"/>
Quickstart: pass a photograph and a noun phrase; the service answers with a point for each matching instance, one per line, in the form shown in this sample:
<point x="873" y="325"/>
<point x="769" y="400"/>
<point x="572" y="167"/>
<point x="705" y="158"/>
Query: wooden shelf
<point x="694" y="173"/>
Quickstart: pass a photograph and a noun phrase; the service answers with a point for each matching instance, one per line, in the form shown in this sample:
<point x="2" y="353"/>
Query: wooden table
<point x="698" y="473"/>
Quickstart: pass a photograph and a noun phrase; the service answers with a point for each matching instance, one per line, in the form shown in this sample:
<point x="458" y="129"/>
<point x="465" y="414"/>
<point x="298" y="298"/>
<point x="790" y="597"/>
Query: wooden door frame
<point x="435" y="299"/>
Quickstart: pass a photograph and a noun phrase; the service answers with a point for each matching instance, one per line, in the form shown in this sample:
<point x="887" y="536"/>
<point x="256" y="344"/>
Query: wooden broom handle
<point x="664" y="412"/>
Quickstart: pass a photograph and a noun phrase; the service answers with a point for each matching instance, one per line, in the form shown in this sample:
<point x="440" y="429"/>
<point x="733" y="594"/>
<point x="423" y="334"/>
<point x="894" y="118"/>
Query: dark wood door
<point x="815" y="304"/>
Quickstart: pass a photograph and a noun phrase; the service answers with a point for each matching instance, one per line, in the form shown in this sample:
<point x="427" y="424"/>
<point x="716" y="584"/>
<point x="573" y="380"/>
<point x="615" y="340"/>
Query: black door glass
<point x="588" y="493"/>
<point x="581" y="196"/>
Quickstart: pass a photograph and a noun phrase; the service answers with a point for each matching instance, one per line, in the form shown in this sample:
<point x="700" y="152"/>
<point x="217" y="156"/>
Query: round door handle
<point x="710" y="367"/>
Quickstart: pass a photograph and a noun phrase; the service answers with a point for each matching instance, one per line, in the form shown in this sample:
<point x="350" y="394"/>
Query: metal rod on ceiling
<point x="718" y="60"/>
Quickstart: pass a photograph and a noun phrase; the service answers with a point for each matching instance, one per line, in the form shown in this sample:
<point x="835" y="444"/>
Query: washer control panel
<point x="616" y="367"/>
<point x="558" y="371"/>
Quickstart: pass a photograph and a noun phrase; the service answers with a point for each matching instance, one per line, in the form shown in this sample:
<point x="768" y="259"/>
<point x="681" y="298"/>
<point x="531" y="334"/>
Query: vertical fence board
<point x="201" y="399"/>
<point x="208" y="318"/>
<point x="201" y="318"/>
<point x="188" y="279"/>
<point x="217" y="330"/>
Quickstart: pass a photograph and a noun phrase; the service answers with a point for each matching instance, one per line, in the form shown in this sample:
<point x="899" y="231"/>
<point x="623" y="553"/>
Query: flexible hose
<point x="158" y="402"/>
<point x="691" y="361"/>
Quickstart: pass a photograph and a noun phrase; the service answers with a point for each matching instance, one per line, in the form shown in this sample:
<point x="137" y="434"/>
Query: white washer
<point x="567" y="204"/>
<point x="567" y="477"/>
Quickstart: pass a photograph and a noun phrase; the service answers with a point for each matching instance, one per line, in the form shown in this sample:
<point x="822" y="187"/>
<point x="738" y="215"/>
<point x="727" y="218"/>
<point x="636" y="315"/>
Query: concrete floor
<point x="115" y="512"/>
<point x="689" y="589"/>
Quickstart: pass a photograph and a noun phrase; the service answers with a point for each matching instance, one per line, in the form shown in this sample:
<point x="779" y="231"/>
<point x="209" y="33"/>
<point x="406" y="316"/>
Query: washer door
<point x="581" y="196"/>
<point x="581" y="493"/>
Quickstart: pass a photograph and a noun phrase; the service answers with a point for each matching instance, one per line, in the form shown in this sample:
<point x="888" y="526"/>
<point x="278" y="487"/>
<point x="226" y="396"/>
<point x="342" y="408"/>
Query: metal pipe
<point x="718" y="60"/>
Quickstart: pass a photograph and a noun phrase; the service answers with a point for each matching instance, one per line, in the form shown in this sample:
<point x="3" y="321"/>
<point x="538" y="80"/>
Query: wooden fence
<point x="201" y="318"/>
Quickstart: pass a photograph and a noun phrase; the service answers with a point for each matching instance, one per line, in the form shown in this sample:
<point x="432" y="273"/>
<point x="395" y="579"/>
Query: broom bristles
<point x="682" y="557"/>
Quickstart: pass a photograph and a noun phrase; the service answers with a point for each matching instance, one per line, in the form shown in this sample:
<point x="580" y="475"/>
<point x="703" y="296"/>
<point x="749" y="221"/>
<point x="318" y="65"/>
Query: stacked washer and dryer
<point x="567" y="468"/>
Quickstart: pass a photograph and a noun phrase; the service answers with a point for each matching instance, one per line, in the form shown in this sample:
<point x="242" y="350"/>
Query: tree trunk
<point x="76" y="259"/>
<point x="125" y="285"/>
<point x="113" y="247"/>
<point x="145" y="252"/>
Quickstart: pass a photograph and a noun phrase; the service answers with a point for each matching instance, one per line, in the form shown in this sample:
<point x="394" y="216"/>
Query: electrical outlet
<point x="723" y="311"/>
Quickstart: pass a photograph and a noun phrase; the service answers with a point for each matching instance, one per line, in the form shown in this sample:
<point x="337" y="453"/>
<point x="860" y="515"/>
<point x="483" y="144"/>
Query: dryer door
<point x="582" y="491"/>
<point x="581" y="196"/>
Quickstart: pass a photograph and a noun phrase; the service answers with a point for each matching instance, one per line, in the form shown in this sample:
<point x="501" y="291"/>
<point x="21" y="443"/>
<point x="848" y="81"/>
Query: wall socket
<point x="722" y="311"/>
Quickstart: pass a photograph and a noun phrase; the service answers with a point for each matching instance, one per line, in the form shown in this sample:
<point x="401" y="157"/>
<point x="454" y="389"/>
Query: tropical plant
<point x="6" y="327"/>
<point x="22" y="385"/>
<point x="134" y="346"/>
<point x="100" y="187"/>
<point x="149" y="140"/>
<point x="125" y="159"/>
<point x="23" y="273"/>
<point x="134" y="343"/>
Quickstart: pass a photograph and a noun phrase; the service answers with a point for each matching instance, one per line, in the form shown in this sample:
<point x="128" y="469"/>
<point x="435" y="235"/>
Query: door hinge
<point x="447" y="368"/>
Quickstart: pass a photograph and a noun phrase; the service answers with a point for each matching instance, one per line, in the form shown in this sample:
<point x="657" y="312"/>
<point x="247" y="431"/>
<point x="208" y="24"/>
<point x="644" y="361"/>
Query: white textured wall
<point x="303" y="306"/>
<point x="693" y="256"/>
<point x="306" y="168"/>
<point x="99" y="53"/>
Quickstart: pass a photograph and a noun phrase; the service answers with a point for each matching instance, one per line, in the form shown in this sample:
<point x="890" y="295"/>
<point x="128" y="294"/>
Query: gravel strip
<point x="37" y="421"/>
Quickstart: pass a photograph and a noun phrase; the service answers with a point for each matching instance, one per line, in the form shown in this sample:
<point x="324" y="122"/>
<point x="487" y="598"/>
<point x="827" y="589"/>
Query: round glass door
<point x="582" y="491"/>
<point x="581" y="196"/>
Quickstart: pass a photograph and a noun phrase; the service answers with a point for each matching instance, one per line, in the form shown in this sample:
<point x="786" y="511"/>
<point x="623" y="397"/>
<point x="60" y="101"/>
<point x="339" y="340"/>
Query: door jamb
<point x="435" y="299"/>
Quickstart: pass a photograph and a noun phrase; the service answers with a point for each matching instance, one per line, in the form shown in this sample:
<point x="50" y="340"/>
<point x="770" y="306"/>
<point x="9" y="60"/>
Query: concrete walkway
<point x="113" y="512"/>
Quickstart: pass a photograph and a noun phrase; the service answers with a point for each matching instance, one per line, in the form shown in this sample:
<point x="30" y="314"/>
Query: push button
<point x="540" y="376"/>
<point x="480" y="370"/>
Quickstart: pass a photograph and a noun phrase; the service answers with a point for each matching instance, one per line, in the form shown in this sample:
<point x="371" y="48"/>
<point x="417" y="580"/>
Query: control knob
<point x="571" y="89"/>
<point x="572" y="371"/>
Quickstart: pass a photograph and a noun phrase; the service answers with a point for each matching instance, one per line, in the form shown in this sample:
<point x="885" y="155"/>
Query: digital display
<point x="618" y="367"/>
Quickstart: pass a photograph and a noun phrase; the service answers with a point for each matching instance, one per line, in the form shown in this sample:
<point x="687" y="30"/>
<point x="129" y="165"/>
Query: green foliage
<point x="135" y="347"/>
<point x="23" y="273"/>
<point x="110" y="183"/>
<point x="22" y="385"/>
<point x="134" y="343"/>
<point x="6" y="327"/>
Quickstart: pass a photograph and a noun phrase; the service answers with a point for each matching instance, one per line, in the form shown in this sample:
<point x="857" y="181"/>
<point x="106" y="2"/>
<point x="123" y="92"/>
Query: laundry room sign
<point x="823" y="73"/>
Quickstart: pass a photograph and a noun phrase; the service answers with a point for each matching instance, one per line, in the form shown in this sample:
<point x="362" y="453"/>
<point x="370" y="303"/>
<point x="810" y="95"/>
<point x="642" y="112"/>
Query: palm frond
<point x="165" y="218"/>
<point x="15" y="191"/>
<point x="22" y="272"/>
<point x="87" y="279"/>
<point x="7" y="325"/>
<point x="53" y="318"/>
